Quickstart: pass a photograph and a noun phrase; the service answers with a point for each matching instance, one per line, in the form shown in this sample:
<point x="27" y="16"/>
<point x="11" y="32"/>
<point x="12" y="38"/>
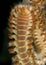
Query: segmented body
<point x="27" y="29"/>
<point x="21" y="29"/>
<point x="39" y="30"/>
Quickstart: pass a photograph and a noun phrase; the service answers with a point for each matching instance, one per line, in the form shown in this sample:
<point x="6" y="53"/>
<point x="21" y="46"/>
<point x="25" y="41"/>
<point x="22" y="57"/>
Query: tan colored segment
<point x="21" y="43"/>
<point x="22" y="22"/>
<point x="21" y="38"/>
<point x="23" y="49"/>
<point x="25" y="60"/>
<point x="23" y="19"/>
<point x="22" y="27"/>
<point x="24" y="55"/>
<point x="22" y="32"/>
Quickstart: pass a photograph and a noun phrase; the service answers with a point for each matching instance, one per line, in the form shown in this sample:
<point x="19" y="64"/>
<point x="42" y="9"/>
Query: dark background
<point x="5" y="8"/>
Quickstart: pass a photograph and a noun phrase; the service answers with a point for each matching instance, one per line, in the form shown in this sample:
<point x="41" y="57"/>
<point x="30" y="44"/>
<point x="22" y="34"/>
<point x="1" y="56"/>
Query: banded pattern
<point x="39" y="30"/>
<point x="21" y="28"/>
<point x="39" y="34"/>
<point x="27" y="33"/>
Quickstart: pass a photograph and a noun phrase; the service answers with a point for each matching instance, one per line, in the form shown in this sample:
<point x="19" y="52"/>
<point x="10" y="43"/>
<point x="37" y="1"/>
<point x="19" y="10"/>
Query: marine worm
<point x="27" y="33"/>
<point x="21" y="28"/>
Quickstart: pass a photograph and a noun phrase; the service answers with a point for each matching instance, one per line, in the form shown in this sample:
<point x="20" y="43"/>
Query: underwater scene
<point x="23" y="32"/>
